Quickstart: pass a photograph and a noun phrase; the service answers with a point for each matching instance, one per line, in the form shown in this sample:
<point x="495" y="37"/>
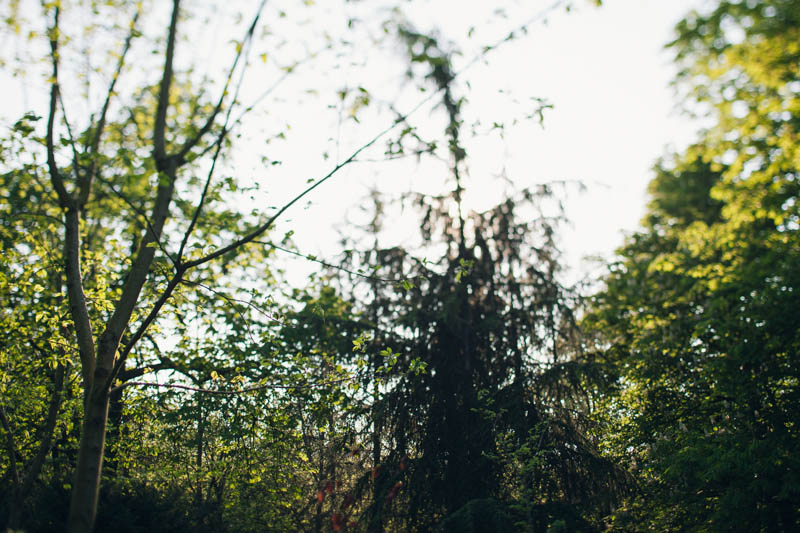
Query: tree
<point x="480" y="408"/>
<point x="34" y="350"/>
<point x="124" y="208"/>
<point x="129" y="173"/>
<point x="696" y="316"/>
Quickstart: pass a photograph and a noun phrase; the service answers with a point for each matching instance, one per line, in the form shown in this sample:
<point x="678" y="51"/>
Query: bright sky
<point x="604" y="70"/>
<point x="607" y="74"/>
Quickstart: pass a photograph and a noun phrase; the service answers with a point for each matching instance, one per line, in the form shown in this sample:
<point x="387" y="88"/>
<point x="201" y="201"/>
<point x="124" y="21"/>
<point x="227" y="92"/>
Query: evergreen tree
<point x="480" y="410"/>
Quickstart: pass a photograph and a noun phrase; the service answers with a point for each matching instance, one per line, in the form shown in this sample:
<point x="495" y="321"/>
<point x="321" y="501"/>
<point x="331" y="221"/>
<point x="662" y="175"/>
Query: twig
<point x="231" y="392"/>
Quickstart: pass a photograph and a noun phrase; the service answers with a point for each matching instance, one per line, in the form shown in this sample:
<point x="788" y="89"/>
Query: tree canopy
<point x="697" y="315"/>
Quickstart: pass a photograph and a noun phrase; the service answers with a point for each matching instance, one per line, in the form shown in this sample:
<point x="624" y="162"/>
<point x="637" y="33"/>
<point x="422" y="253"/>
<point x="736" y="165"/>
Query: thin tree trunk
<point x="198" y="497"/>
<point x="86" y="484"/>
<point x="115" y="432"/>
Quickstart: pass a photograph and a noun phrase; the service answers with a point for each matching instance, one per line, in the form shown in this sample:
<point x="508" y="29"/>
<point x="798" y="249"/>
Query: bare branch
<point x="314" y="259"/>
<point x="85" y="185"/>
<point x="233" y="392"/>
<point x="210" y="121"/>
<point x="132" y="373"/>
<point x="233" y="302"/>
<point x="64" y="197"/>
<point x="160" y="126"/>
<point x="196" y="215"/>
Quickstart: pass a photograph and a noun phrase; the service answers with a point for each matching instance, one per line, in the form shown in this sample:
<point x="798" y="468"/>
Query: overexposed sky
<point x="603" y="69"/>
<point x="607" y="75"/>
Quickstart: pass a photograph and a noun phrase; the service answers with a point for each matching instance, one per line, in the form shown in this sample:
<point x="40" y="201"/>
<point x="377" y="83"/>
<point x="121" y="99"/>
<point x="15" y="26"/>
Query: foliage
<point x="697" y="316"/>
<point x="147" y="343"/>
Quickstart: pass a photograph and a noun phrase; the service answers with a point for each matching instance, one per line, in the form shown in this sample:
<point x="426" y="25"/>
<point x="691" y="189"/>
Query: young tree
<point x="132" y="213"/>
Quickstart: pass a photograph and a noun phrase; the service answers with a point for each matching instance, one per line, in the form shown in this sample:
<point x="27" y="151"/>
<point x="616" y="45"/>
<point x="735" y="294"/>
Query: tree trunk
<point x="86" y="484"/>
<point x="114" y="433"/>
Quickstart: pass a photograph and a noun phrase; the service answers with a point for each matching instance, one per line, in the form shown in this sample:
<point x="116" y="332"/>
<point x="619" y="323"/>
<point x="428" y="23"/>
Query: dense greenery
<point x="450" y="382"/>
<point x="699" y="315"/>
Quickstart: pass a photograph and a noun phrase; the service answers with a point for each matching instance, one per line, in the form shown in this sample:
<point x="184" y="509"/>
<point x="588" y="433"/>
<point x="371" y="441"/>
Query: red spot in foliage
<point x="338" y="524"/>
<point x="352" y="524"/>
<point x="393" y="493"/>
<point x="403" y="463"/>
<point x="320" y="496"/>
<point x="375" y="471"/>
<point x="348" y="501"/>
<point x="329" y="487"/>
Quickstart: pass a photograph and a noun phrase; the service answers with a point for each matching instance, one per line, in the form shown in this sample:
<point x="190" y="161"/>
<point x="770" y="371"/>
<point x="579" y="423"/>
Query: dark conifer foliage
<point x="484" y="400"/>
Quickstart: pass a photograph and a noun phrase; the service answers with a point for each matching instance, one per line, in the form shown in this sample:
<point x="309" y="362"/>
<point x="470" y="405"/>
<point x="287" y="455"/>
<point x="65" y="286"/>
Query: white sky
<point x="607" y="74"/>
<point x="604" y="70"/>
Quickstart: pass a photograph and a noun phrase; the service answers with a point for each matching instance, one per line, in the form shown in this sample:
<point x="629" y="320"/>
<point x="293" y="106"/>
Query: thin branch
<point x="160" y="125"/>
<point x="247" y="41"/>
<point x="233" y="392"/>
<point x="85" y="185"/>
<point x="510" y="35"/>
<point x="164" y="364"/>
<point x="210" y="122"/>
<point x="269" y="90"/>
<point x="196" y="215"/>
<point x="233" y="301"/>
<point x="155" y="346"/>
<point x="328" y="265"/>
<point x="73" y="145"/>
<point x="414" y="153"/>
<point x="55" y="176"/>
